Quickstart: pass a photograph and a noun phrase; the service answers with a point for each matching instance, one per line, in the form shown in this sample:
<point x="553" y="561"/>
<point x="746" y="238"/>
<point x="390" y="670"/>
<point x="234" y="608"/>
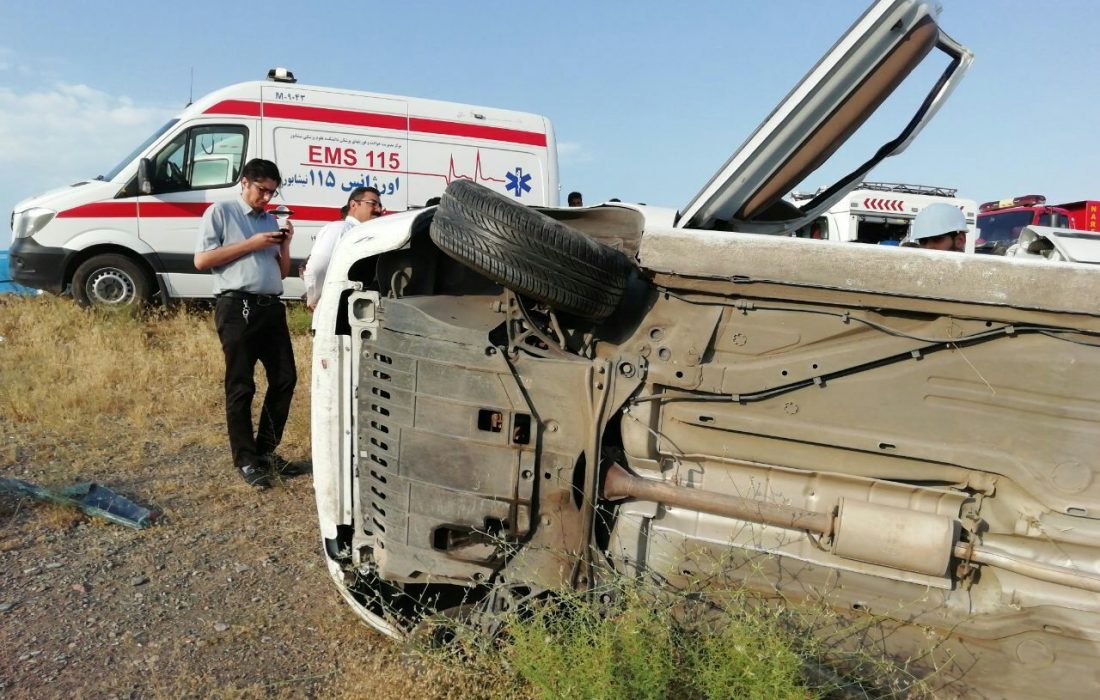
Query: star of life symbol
<point x="517" y="181"/>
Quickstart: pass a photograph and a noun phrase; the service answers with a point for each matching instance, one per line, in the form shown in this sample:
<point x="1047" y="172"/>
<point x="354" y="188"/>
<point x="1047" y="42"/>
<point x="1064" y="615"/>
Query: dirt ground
<point x="189" y="607"/>
<point x="228" y="596"/>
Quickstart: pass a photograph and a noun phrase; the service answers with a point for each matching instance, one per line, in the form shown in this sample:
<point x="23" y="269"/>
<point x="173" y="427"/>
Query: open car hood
<point x="834" y="99"/>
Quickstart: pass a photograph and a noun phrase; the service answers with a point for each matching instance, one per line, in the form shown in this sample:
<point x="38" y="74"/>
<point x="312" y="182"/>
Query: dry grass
<point x="137" y="404"/>
<point x="84" y="388"/>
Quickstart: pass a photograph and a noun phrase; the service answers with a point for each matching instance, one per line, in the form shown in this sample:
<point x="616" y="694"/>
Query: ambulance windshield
<point x="137" y="151"/>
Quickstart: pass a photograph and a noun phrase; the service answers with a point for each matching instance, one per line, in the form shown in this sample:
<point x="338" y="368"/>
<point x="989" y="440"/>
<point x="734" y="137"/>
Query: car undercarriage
<point x="511" y="403"/>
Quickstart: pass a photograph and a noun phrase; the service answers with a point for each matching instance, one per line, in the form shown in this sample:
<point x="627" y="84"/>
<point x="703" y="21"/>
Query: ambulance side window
<point x="168" y="166"/>
<point x="203" y="157"/>
<point x="215" y="155"/>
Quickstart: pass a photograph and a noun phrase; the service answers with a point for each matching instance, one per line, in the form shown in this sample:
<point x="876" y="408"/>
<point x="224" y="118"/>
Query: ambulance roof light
<point x="281" y="75"/>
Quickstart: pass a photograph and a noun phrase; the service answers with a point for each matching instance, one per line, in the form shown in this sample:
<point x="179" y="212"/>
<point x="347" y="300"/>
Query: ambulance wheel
<point x="111" y="281"/>
<point x="528" y="252"/>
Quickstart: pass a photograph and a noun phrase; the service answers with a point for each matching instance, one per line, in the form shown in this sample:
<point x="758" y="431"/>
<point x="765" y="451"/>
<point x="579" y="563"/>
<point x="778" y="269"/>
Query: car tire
<point x="529" y="252"/>
<point x="111" y="281"/>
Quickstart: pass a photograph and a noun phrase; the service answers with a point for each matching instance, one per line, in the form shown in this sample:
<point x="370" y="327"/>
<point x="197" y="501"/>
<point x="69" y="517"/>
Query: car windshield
<point x="1002" y="228"/>
<point x="137" y="151"/>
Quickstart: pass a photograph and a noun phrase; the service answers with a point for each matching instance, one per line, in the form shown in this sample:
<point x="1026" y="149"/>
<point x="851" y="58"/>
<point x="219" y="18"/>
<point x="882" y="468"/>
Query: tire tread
<point x="529" y="252"/>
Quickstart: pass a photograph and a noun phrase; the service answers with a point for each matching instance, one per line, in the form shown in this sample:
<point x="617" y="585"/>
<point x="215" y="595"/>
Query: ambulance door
<point x="199" y="166"/>
<point x="327" y="143"/>
<point x="504" y="151"/>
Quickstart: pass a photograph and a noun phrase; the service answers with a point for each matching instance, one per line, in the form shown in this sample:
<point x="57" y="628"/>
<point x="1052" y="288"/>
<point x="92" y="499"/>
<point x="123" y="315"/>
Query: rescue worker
<point x="939" y="226"/>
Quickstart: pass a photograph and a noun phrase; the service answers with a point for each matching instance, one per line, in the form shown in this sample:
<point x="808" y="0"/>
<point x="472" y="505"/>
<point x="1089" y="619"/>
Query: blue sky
<point x="648" y="99"/>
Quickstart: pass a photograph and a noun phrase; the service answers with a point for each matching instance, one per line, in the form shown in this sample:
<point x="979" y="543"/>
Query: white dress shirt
<point x="327" y="238"/>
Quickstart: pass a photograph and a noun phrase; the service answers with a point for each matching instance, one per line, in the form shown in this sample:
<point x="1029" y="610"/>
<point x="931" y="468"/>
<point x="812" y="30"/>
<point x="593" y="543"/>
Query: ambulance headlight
<point x="27" y="223"/>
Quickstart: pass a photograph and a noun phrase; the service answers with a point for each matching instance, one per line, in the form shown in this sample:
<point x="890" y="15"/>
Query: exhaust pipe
<point x="898" y="538"/>
<point x="620" y="484"/>
<point x="868" y="532"/>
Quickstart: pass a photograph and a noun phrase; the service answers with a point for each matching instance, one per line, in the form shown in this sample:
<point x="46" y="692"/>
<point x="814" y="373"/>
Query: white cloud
<point x="15" y="67"/>
<point x="572" y="153"/>
<point x="72" y="126"/>
<point x="53" y="136"/>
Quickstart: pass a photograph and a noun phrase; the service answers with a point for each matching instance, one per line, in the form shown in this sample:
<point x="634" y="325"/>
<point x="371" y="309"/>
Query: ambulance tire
<point x="529" y="252"/>
<point x="111" y="281"/>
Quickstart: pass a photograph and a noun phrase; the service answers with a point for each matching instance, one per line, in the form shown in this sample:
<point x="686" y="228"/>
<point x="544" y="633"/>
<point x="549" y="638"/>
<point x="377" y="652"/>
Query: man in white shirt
<point x="364" y="204"/>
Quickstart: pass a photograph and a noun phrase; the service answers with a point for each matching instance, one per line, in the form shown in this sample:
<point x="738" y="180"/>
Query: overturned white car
<point x="506" y="400"/>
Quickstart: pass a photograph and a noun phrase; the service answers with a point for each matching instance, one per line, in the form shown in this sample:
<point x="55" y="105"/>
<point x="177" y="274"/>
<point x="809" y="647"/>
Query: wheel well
<point x="78" y="260"/>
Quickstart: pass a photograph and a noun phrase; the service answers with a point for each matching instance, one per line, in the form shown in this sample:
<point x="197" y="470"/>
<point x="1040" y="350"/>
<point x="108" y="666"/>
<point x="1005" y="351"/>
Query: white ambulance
<point x="129" y="235"/>
<point x="881" y="213"/>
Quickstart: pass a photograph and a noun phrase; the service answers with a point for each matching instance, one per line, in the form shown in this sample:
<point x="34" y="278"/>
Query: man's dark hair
<point x="574" y="196"/>
<point x="433" y="201"/>
<point x="356" y="194"/>
<point x="260" y="169"/>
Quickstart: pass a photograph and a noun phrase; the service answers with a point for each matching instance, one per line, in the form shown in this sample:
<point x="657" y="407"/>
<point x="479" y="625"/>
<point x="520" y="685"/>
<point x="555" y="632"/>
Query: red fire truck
<point x="1000" y="222"/>
<point x="1084" y="214"/>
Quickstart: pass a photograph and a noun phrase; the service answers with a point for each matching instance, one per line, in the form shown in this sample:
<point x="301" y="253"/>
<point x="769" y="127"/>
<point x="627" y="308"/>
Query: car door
<point x="200" y="165"/>
<point x="834" y="99"/>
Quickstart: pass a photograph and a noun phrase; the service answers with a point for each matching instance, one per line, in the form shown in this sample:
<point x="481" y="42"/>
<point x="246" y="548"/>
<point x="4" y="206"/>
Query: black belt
<point x="258" y="299"/>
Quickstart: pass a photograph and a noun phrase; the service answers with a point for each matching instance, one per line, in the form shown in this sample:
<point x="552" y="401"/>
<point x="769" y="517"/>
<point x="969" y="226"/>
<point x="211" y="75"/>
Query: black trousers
<point x="260" y="334"/>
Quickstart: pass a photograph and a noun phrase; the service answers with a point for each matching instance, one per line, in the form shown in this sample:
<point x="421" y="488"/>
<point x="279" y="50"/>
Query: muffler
<point x="898" y="538"/>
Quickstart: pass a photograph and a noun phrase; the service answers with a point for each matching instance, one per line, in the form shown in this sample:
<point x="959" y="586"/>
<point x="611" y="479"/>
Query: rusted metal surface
<point x="619" y="484"/>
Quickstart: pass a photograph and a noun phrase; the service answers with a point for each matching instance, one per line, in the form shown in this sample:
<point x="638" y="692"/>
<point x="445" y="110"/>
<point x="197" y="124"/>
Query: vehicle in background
<point x="1085" y="214"/>
<point x="1057" y="245"/>
<point x="124" y="236"/>
<point x="1000" y="222"/>
<point x="881" y="213"/>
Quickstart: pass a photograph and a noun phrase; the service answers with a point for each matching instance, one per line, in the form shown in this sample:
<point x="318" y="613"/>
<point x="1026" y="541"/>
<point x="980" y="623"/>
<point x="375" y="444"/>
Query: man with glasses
<point x="248" y="256"/>
<point x="364" y="204"/>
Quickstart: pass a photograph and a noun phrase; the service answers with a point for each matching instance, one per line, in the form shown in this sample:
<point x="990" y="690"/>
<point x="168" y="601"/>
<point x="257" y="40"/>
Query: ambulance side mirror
<point x="145" y="176"/>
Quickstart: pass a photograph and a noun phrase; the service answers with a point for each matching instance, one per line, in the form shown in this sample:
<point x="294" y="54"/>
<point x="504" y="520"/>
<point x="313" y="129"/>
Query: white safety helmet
<point x="936" y="220"/>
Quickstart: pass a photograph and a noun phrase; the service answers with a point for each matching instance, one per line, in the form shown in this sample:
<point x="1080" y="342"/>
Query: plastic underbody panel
<point x="471" y="458"/>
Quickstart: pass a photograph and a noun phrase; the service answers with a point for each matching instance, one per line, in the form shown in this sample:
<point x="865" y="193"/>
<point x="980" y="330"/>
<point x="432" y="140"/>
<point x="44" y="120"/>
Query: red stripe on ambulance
<point x="101" y="210"/>
<point x="304" y="213"/>
<point x="237" y="108"/>
<point x="334" y="116"/>
<point x="171" y="210"/>
<point x="328" y="115"/>
<point x="492" y="133"/>
<point x="179" y="210"/>
<point x="132" y="209"/>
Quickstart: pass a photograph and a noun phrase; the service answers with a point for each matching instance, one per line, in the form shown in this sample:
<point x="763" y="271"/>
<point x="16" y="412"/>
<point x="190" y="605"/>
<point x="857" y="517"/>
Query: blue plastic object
<point x="93" y="499"/>
<point x="7" y="286"/>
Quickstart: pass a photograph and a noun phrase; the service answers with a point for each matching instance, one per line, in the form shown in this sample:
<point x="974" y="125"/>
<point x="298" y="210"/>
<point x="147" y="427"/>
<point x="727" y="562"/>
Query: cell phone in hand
<point x="282" y="216"/>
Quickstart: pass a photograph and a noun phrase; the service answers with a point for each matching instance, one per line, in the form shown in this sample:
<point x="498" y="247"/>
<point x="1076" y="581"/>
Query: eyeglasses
<point x="264" y="192"/>
<point x="369" y="202"/>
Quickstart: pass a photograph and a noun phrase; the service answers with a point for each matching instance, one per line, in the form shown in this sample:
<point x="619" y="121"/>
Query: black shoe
<point x="255" y="477"/>
<point x="279" y="466"/>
